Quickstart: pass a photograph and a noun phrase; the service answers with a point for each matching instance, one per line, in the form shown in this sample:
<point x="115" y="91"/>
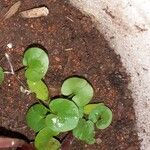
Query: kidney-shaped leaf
<point x="45" y="141"/>
<point x="85" y="131"/>
<point x="37" y="63"/>
<point x="65" y="115"/>
<point x="35" y="117"/>
<point x="1" y="75"/>
<point x="88" y="108"/>
<point x="39" y="88"/>
<point x="102" y="116"/>
<point x="80" y="90"/>
<point x="81" y="112"/>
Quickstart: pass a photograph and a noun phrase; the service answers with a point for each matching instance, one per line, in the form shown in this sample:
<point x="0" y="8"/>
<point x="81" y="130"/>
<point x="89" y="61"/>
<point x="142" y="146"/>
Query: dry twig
<point x="13" y="9"/>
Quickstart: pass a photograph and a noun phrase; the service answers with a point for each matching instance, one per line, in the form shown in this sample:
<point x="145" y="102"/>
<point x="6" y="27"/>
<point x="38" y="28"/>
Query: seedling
<point x="39" y="88"/>
<point x="72" y="113"/>
<point x="69" y="113"/>
<point x="36" y="64"/>
<point x="78" y="89"/>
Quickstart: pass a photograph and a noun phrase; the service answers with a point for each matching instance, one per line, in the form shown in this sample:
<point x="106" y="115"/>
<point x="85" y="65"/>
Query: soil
<point x="75" y="47"/>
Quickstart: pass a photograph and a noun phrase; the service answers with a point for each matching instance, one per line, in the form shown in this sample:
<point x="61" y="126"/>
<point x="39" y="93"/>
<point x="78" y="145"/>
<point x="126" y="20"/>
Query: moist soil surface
<point x="75" y="47"/>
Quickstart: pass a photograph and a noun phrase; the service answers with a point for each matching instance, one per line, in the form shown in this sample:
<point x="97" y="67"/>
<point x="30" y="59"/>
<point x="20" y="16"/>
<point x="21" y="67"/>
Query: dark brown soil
<point x="75" y="47"/>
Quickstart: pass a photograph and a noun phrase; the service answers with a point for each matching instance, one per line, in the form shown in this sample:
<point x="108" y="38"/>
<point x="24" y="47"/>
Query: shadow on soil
<point x="12" y="134"/>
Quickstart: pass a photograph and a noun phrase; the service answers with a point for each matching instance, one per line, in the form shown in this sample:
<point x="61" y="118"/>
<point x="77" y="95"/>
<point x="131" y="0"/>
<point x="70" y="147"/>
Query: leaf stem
<point x="21" y="82"/>
<point x="43" y="103"/>
<point x="10" y="64"/>
<point x="21" y="68"/>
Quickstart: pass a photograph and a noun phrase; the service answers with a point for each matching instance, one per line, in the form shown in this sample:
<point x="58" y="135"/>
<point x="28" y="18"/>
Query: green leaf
<point x="81" y="112"/>
<point x="39" y="88"/>
<point x="88" y="108"/>
<point x="102" y="116"/>
<point x="37" y="63"/>
<point x="1" y="75"/>
<point x="85" y="131"/>
<point x="45" y="141"/>
<point x="80" y="90"/>
<point x="65" y="115"/>
<point x="35" y="117"/>
<point x="34" y="72"/>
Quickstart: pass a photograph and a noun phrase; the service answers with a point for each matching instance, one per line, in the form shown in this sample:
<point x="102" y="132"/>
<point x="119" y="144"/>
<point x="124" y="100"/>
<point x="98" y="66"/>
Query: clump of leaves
<point x="78" y="89"/>
<point x="36" y="64"/>
<point x="71" y="113"/>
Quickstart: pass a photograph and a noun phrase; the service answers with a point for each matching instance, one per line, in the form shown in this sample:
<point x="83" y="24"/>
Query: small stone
<point x="98" y="141"/>
<point x="35" y="12"/>
<point x="9" y="45"/>
<point x="59" y="67"/>
<point x="31" y="26"/>
<point x="57" y="59"/>
<point x="85" y="145"/>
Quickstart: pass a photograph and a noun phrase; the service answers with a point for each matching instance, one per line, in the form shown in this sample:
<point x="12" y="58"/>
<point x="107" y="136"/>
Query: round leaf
<point x="81" y="112"/>
<point x="85" y="131"/>
<point x="37" y="63"/>
<point x="45" y="141"/>
<point x="34" y="72"/>
<point x="80" y="90"/>
<point x="102" y="116"/>
<point x="65" y="115"/>
<point x="39" y="88"/>
<point x="1" y="75"/>
<point x="36" y="117"/>
<point x="88" y="108"/>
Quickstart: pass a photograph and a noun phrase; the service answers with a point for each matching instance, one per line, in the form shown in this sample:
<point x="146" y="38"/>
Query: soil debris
<point x="35" y="12"/>
<point x="109" y="13"/>
<point x="13" y="9"/>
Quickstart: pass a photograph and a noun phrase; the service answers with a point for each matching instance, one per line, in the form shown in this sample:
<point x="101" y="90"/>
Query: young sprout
<point x="39" y="88"/>
<point x="64" y="115"/>
<point x="36" y="62"/>
<point x="45" y="140"/>
<point x="89" y="107"/>
<point x="72" y="113"/>
<point x="35" y="117"/>
<point x="102" y="116"/>
<point x="78" y="89"/>
<point x="85" y="131"/>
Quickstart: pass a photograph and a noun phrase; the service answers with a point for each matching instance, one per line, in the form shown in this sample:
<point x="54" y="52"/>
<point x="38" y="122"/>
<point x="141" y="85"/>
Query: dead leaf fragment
<point x="13" y="9"/>
<point x="35" y="12"/>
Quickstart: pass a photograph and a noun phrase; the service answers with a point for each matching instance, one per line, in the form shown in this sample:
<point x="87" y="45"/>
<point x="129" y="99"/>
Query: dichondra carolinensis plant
<point x="72" y="112"/>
